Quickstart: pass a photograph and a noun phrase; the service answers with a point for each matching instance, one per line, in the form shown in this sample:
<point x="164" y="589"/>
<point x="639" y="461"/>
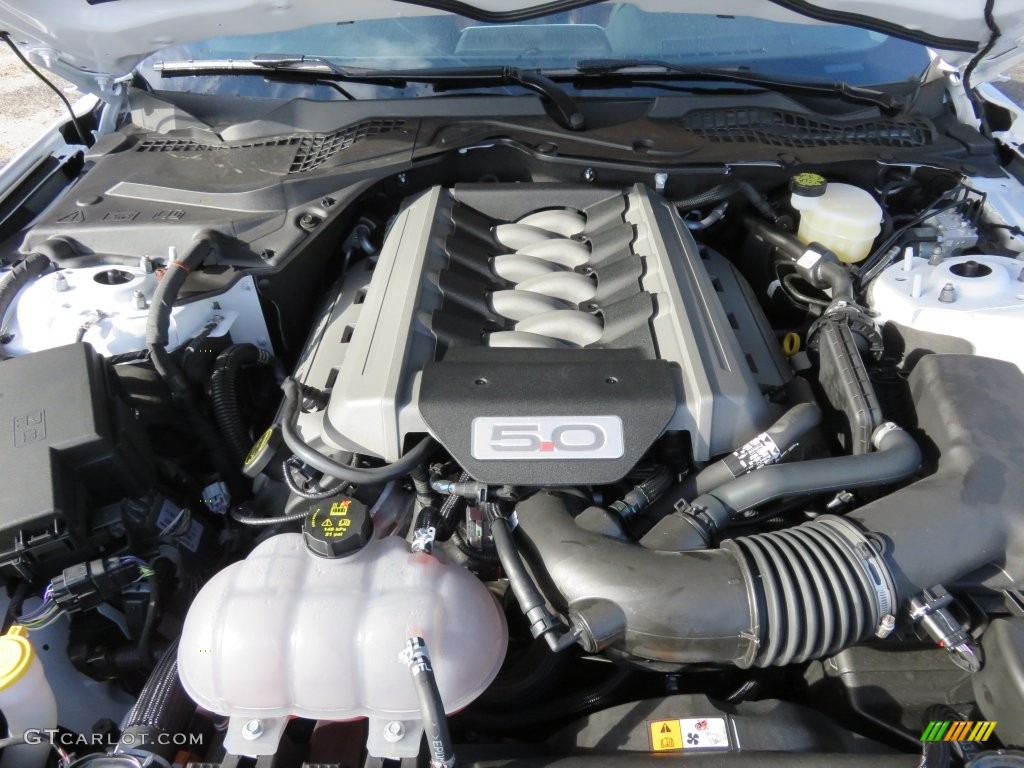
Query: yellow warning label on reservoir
<point x="666" y="735"/>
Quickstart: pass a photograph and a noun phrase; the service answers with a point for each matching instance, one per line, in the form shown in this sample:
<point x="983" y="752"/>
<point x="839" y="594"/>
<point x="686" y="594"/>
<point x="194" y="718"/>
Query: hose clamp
<point x="882" y="430"/>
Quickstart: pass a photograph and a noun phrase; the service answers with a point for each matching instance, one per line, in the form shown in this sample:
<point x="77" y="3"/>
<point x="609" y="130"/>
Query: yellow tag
<point x="666" y="735"/>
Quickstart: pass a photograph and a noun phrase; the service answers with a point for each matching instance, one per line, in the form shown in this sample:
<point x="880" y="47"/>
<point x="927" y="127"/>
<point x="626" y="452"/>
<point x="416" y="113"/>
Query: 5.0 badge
<point x="533" y="438"/>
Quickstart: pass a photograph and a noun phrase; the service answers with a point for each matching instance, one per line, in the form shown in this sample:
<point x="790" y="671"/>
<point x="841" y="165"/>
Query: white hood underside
<point x="92" y="45"/>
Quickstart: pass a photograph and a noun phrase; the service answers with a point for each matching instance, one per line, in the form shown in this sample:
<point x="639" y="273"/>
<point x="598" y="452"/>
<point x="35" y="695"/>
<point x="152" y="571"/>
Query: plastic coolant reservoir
<point x="286" y="632"/>
<point x="845" y="219"/>
<point x="26" y="699"/>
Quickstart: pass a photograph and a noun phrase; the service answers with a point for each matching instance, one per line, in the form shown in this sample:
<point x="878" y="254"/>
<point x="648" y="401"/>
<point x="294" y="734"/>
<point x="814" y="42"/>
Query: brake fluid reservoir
<point x="843" y="218"/>
<point x="317" y="634"/>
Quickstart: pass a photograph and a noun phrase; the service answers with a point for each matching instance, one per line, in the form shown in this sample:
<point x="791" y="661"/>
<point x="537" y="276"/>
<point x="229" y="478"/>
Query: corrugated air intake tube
<point x="813" y="589"/>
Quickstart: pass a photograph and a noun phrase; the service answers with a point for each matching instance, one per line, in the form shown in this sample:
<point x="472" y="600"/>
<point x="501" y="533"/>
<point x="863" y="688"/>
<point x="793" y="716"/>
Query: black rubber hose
<point x="783" y="435"/>
<point x="829" y="271"/>
<point x="515" y="720"/>
<point x="725" y="191"/>
<point x="163" y="708"/>
<point x="530" y="600"/>
<point x="898" y="456"/>
<point x="225" y="395"/>
<point x="355" y="475"/>
<point x="21" y="274"/>
<point x="421" y="484"/>
<point x="528" y="679"/>
<point x="435" y="721"/>
<point x="699" y="524"/>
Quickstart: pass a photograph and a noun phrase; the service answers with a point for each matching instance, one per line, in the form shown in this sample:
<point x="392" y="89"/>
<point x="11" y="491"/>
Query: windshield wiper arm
<point x="321" y="68"/>
<point x="567" y="109"/>
<point x="839" y="89"/>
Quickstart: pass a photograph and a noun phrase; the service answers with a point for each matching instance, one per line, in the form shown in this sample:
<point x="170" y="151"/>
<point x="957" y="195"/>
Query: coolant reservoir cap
<point x="337" y="526"/>
<point x="808" y="185"/>
<point x="15" y="656"/>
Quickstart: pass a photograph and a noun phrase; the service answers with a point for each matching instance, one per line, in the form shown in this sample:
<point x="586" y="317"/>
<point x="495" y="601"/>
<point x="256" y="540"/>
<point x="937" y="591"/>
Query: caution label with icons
<point x="689" y="733"/>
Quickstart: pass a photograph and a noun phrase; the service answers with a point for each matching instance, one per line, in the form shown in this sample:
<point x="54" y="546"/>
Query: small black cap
<point x="337" y="526"/>
<point x="808" y="185"/>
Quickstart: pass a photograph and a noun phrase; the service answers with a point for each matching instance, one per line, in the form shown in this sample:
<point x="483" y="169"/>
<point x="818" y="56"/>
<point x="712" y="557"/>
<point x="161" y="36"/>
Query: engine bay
<point x="427" y="437"/>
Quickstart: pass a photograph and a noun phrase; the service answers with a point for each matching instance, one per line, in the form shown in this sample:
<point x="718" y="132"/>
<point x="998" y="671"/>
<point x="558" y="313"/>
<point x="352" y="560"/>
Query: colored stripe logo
<point x="958" y="730"/>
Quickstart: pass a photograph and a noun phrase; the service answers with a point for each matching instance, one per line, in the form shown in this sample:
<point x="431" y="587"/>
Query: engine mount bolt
<point x="948" y="294"/>
<point x="252" y="730"/>
<point x="139" y="300"/>
<point x="936" y="256"/>
<point x="394" y="731"/>
<point x="60" y="283"/>
<point x="589" y="175"/>
<point x="660" y="180"/>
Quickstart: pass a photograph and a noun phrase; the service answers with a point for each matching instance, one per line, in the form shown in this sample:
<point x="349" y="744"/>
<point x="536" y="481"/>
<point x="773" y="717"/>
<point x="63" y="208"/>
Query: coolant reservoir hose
<point x="698" y="525"/>
<point x="355" y="475"/>
<point x="435" y="722"/>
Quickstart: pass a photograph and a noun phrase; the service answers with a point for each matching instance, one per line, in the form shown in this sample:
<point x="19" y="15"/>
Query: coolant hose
<point x="826" y="271"/>
<point x="355" y="475"/>
<point x="723" y="192"/>
<point x="21" y="274"/>
<point x="224" y="393"/>
<point x="699" y="524"/>
<point x="761" y="451"/>
<point x="163" y="708"/>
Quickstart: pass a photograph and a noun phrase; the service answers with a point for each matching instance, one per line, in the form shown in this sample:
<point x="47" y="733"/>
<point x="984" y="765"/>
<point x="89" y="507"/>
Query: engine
<point x="489" y="459"/>
<point x="488" y="305"/>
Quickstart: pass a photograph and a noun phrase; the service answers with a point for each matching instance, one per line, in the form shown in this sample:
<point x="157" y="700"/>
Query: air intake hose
<point x="761" y="600"/>
<point x="811" y="590"/>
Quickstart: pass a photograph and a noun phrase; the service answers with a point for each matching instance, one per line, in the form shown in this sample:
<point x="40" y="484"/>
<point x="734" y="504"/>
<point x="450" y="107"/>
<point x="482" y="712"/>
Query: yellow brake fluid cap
<point x="15" y="656"/>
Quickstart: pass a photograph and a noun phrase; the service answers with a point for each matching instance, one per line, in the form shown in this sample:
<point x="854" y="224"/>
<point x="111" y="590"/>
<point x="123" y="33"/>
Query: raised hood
<point x="93" y="43"/>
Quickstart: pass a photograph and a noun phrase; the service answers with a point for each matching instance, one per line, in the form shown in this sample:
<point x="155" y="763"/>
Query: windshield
<point x="794" y="48"/>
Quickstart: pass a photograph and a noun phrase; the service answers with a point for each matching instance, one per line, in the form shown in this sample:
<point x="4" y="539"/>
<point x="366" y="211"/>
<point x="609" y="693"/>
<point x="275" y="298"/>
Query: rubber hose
<point x="421" y="483"/>
<point x="832" y="274"/>
<point x="355" y="475"/>
<point x="784" y="433"/>
<point x="450" y="513"/>
<point x="515" y="720"/>
<point x="21" y="274"/>
<point x="482" y="556"/>
<point x="225" y="395"/>
<point x="725" y="191"/>
<point x="763" y="600"/>
<point x="699" y="524"/>
<point x="435" y="721"/>
<point x="898" y="456"/>
<point x="163" y="707"/>
<point x="526" y="681"/>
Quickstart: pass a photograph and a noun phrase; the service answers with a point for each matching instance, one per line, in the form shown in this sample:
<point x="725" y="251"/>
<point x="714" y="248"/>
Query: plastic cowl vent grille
<point x="791" y="129"/>
<point x="190" y="145"/>
<point x="315" y="150"/>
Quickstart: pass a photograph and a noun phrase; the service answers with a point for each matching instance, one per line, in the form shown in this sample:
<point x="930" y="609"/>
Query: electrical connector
<point x="86" y="585"/>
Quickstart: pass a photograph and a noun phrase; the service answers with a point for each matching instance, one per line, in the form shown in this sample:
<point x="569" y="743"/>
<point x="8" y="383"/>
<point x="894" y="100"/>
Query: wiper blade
<point x="447" y="78"/>
<point x="643" y="69"/>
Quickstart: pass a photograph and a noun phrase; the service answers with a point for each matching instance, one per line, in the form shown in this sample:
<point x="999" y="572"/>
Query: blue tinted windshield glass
<point x="796" y="48"/>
